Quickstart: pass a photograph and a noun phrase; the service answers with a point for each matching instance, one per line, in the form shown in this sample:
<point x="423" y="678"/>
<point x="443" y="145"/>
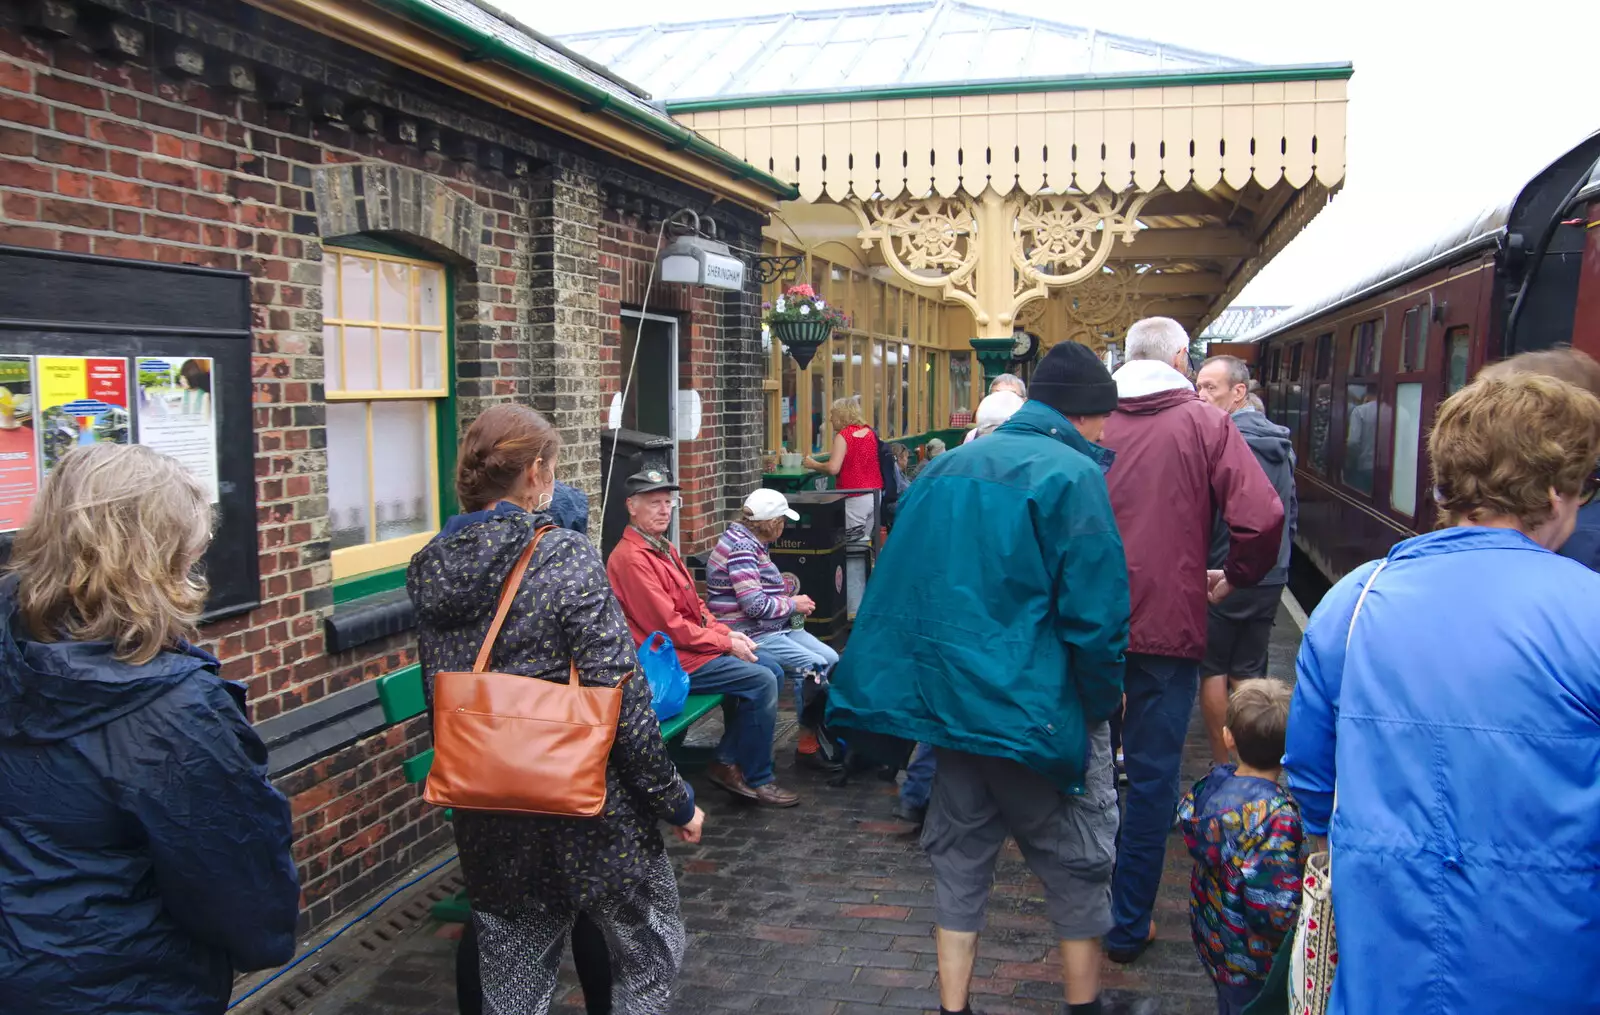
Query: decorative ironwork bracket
<point x="771" y="269"/>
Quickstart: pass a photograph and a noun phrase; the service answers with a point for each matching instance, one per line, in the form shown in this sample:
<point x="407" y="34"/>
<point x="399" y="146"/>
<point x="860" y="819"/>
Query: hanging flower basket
<point x="802" y="322"/>
<point x="802" y="338"/>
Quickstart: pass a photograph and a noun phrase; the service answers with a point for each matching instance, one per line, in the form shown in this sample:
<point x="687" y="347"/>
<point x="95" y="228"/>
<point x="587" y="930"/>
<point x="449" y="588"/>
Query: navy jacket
<point x="569" y="506"/>
<point x="144" y="856"/>
<point x="1584" y="546"/>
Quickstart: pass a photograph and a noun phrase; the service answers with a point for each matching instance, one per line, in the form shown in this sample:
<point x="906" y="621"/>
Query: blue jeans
<point x="797" y="651"/>
<point x="1161" y="692"/>
<point x="918" y="787"/>
<point x="747" y="740"/>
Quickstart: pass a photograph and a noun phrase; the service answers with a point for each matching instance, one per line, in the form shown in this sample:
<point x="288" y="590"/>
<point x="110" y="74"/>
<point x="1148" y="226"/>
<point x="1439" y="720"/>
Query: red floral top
<point x="859" y="470"/>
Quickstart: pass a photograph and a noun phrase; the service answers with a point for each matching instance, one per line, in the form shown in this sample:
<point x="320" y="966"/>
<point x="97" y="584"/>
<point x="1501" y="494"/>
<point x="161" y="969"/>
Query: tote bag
<point x="519" y="744"/>
<point x="1315" y="957"/>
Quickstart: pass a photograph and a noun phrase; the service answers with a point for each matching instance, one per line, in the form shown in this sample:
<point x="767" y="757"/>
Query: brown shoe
<point x="771" y="796"/>
<point x="729" y="778"/>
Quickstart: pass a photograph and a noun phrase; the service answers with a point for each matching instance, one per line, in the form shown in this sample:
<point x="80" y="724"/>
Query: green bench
<point x="401" y="695"/>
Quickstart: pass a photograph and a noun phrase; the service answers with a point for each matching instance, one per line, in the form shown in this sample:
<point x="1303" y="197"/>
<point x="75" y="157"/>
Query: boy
<point x="1244" y="834"/>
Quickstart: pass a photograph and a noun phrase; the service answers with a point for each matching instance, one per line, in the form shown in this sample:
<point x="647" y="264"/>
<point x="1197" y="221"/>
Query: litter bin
<point x="813" y="550"/>
<point x="634" y="451"/>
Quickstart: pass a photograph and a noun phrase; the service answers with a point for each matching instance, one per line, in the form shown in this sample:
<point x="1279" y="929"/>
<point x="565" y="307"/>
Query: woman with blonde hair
<point x="146" y="854"/>
<point x="1450" y="695"/>
<point x="854" y="463"/>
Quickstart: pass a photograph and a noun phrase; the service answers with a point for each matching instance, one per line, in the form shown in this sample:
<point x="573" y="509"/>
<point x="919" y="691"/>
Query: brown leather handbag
<point x="516" y="744"/>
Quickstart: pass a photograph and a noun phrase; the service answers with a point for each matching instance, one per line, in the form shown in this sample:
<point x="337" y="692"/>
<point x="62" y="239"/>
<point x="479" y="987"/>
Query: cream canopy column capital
<point x="996" y="253"/>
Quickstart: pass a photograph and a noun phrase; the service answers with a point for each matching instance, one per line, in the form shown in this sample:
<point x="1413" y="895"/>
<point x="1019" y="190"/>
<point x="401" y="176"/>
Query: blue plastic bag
<point x="669" y="684"/>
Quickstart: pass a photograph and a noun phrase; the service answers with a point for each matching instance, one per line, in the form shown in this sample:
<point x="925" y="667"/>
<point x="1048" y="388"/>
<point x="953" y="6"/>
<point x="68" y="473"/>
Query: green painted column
<point x="995" y="355"/>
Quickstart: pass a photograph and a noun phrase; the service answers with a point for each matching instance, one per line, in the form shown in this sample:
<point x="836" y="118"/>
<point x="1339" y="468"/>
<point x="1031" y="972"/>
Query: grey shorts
<point x="1239" y="633"/>
<point x="1069" y="842"/>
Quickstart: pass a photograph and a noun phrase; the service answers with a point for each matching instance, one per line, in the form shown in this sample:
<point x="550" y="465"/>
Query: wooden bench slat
<point x="400" y="694"/>
<point x="455" y="909"/>
<point x="693" y="709"/>
<point x="416" y="768"/>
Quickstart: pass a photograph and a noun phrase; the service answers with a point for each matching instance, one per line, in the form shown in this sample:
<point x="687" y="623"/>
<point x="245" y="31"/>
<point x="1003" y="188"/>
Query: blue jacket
<point x="1463" y="724"/>
<point x="144" y="857"/>
<point x="997" y="617"/>
<point x="570" y="508"/>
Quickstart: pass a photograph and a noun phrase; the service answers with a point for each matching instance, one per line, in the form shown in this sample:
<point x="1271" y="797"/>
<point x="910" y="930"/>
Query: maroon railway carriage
<point x="1357" y="375"/>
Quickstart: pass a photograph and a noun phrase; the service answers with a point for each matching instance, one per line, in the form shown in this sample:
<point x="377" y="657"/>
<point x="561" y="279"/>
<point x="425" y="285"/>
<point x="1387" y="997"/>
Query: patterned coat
<point x="565" y="610"/>
<point x="1244" y="834"/>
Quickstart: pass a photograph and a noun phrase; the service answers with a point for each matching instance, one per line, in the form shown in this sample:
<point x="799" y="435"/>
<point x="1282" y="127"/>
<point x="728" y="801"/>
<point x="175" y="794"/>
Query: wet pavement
<point x="825" y="909"/>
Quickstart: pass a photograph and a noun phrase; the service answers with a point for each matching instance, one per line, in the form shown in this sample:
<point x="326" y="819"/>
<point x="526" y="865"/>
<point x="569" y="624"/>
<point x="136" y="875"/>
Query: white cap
<point x="996" y="409"/>
<point x="765" y="505"/>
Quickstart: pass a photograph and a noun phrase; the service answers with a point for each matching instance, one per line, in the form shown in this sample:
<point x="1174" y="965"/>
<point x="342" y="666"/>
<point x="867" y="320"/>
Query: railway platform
<point x="825" y="909"/>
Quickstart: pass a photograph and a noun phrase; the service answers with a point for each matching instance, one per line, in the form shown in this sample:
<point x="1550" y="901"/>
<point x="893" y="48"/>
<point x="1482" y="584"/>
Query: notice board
<point x="102" y="350"/>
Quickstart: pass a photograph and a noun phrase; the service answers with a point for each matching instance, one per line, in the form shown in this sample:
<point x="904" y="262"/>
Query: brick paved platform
<point x="826" y="909"/>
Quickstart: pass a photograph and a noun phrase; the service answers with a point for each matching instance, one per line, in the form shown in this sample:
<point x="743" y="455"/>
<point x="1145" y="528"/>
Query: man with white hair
<point x="1011" y="383"/>
<point x="1180" y="460"/>
<point x="995" y="409"/>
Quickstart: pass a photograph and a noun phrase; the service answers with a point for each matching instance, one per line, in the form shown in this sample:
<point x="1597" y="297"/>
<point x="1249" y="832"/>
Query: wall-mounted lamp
<point x="695" y="260"/>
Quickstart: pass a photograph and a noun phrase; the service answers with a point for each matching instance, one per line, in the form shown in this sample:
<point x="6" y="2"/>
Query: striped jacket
<point x="744" y="588"/>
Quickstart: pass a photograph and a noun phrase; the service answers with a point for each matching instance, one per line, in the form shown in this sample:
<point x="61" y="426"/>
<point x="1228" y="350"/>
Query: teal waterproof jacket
<point x="997" y="617"/>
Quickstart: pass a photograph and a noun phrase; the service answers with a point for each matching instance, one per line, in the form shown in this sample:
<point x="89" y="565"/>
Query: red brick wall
<point x="121" y="159"/>
<point x="111" y="158"/>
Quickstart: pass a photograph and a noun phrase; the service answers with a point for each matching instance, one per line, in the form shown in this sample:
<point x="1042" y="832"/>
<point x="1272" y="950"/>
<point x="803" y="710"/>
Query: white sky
<point x="1453" y="104"/>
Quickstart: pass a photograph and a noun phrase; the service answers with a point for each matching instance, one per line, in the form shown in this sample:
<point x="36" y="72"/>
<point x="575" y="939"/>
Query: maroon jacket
<point x="1180" y="460"/>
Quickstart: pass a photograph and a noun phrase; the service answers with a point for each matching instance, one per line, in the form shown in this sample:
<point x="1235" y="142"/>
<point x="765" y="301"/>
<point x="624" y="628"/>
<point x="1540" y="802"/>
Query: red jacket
<point x="657" y="594"/>
<point x="1179" y="460"/>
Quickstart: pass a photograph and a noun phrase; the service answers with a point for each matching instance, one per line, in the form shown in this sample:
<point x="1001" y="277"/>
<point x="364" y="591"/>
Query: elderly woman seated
<point x="746" y="591"/>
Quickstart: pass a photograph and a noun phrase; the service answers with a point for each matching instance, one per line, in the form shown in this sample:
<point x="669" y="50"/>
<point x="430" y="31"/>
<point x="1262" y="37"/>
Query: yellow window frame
<point x="378" y="555"/>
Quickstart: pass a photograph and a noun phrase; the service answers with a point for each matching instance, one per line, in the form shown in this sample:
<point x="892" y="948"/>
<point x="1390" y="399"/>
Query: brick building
<point x="424" y="210"/>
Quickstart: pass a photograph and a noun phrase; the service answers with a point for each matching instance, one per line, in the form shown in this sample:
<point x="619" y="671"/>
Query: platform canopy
<point x="998" y="159"/>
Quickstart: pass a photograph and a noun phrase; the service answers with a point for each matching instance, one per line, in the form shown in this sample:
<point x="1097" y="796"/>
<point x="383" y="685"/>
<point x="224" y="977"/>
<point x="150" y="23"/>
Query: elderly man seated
<point x="657" y="593"/>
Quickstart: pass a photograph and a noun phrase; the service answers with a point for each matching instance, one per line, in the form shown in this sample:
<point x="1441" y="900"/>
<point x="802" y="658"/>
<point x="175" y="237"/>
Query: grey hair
<point x="1238" y="369"/>
<point x="1011" y="382"/>
<point x="1257" y="404"/>
<point x="1157" y="338"/>
<point x="935" y="447"/>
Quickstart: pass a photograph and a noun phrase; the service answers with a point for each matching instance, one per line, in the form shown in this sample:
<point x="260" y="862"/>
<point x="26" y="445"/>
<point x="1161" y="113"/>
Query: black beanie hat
<point x="1072" y="380"/>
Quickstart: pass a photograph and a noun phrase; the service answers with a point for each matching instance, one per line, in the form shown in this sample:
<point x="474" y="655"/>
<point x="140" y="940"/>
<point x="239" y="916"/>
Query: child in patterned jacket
<point x="1244" y="833"/>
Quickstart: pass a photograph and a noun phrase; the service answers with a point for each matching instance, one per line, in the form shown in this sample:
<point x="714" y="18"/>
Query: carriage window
<point x="1294" y="360"/>
<point x="1414" y="340"/>
<point x="1407" y="447"/>
<point x="1321" y="421"/>
<point x="1276" y="365"/>
<point x="1360" y="435"/>
<point x="1324" y="360"/>
<point x="1291" y="410"/>
<point x="1458" y="346"/>
<point x="1366" y="351"/>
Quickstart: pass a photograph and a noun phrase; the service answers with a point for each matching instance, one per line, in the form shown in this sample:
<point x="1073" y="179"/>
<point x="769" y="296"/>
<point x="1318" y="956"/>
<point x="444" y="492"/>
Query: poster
<point x="81" y="400"/>
<point x="176" y="416"/>
<point x="19" y="460"/>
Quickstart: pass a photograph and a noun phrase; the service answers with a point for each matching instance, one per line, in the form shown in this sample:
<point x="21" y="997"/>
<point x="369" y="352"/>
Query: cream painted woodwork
<point x="1123" y="139"/>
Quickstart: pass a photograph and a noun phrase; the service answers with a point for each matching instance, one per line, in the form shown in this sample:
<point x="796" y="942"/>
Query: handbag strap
<point x="1362" y="599"/>
<point x="508" y="594"/>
